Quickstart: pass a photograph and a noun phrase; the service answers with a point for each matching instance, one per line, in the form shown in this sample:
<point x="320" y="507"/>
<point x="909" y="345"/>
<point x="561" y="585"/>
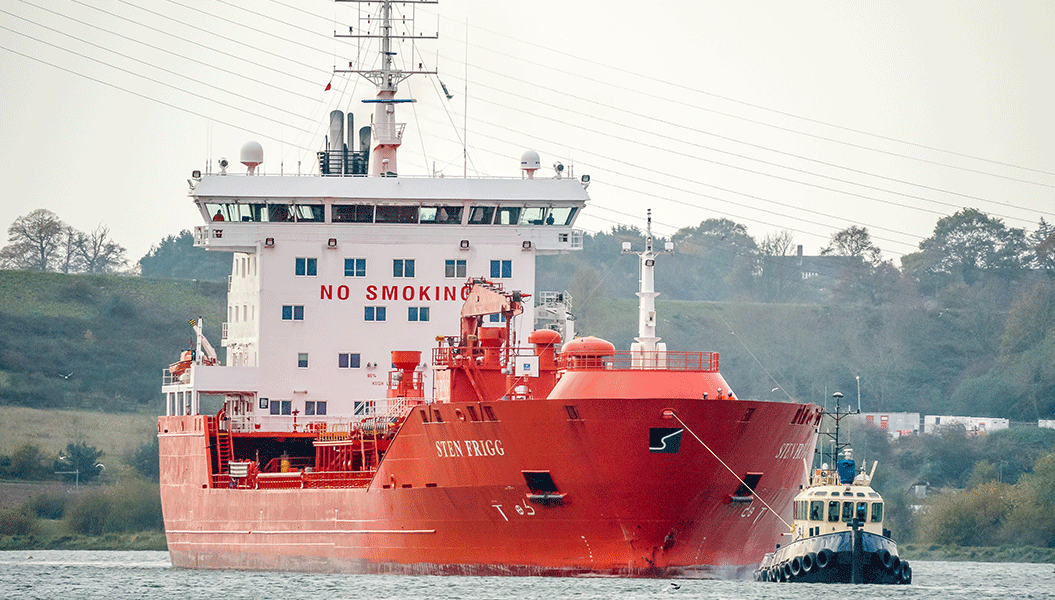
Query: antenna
<point x="387" y="133"/>
<point x="465" y="104"/>
<point x="837" y="416"/>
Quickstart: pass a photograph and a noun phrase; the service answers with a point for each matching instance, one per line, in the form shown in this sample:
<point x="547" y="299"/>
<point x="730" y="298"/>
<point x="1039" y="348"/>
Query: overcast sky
<point x="804" y="116"/>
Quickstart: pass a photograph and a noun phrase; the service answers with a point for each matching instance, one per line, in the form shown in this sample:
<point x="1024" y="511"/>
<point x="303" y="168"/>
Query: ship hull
<point x="798" y="561"/>
<point x="451" y="495"/>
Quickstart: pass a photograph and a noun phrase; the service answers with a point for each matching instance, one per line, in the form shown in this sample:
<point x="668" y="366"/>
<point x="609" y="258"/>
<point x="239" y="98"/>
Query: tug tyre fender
<point x="796" y="566"/>
<point x="809" y="562"/>
<point x="906" y="572"/>
<point x="787" y="570"/>
<point x="825" y="558"/>
<point x="885" y="558"/>
<point x="895" y="562"/>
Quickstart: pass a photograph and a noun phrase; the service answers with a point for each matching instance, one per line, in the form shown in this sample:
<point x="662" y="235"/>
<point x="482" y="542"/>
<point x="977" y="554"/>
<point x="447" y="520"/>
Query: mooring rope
<point x="744" y="483"/>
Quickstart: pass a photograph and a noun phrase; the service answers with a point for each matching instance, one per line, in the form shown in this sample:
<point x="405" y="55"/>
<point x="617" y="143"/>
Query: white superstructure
<point x="332" y="272"/>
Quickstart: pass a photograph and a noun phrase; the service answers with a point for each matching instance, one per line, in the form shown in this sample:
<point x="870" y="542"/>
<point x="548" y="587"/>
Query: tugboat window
<point x="848" y="511"/>
<point x="833" y="511"/>
<point x="862" y="511"/>
<point x="877" y="512"/>
<point x="817" y="510"/>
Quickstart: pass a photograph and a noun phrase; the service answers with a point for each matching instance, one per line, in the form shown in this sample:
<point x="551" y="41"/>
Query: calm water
<point x="69" y="575"/>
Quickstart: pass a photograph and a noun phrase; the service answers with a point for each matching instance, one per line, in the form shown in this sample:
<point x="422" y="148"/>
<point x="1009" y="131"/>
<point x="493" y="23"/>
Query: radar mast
<point x="387" y="133"/>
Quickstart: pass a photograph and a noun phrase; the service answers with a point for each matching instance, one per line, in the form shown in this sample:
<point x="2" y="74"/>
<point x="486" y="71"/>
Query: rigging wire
<point x="668" y="83"/>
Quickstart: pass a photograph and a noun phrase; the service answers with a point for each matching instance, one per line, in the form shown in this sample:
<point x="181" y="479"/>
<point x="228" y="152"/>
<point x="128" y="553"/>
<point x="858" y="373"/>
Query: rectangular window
<point x="454" y="268"/>
<point x="287" y="407"/>
<point x="403" y="267"/>
<point x="833" y="511"/>
<point x="276" y="407"/>
<point x="862" y="512"/>
<point x="355" y="267"/>
<point x="533" y="215"/>
<point x="309" y="408"/>
<point x="293" y="312"/>
<point x="281" y="407"/>
<point x="561" y="216"/>
<point x="481" y="215"/>
<point x="444" y="215"/>
<point x="816" y="510"/>
<point x="353" y="213"/>
<point x="877" y="512"/>
<point x="396" y="214"/>
<point x="306" y="267"/>
<point x="848" y="511"/>
<point x="302" y="360"/>
<point x="418" y="313"/>
<point x="508" y="215"/>
<point x="320" y="408"/>
<point x="496" y="318"/>
<point x="348" y="360"/>
<point x="501" y="269"/>
<point x="374" y="313"/>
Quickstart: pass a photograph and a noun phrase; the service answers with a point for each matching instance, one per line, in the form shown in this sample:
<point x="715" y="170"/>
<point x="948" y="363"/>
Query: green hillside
<point x="96" y="342"/>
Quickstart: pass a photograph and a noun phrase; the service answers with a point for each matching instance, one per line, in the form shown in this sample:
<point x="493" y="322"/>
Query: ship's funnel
<point x="336" y="131"/>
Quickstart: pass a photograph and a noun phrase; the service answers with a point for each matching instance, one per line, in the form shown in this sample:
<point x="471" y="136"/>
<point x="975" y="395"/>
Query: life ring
<point x="796" y="566"/>
<point x="884" y="557"/>
<point x="809" y="562"/>
<point x="824" y="558"/>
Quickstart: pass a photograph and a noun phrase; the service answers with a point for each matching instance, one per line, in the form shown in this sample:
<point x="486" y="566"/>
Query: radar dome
<point x="251" y="155"/>
<point x="530" y="162"/>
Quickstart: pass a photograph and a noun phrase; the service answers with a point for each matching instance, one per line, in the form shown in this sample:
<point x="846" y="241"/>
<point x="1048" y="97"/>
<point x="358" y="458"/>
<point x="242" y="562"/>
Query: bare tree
<point x="69" y="254"/>
<point x="99" y="253"/>
<point x="35" y="241"/>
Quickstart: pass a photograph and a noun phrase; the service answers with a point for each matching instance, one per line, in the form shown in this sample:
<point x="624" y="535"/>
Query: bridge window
<point x="280" y="213"/>
<point x="481" y="215"/>
<point x="309" y="213"/>
<point x="396" y="214"/>
<point x="508" y="215"/>
<point x="443" y="215"/>
<point x="563" y="215"/>
<point x="353" y="213"/>
<point x="533" y="215"/>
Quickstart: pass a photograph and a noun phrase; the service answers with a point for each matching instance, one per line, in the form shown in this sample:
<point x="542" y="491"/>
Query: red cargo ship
<point x="484" y="457"/>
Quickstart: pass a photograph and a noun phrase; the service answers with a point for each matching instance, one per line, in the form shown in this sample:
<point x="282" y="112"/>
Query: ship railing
<point x="298" y="424"/>
<point x="295" y="479"/>
<point x="660" y="360"/>
<point x="447" y="356"/>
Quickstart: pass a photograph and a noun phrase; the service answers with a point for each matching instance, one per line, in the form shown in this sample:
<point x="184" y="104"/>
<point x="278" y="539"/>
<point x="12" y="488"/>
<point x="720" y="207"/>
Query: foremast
<point x="647" y="344"/>
<point x="387" y="133"/>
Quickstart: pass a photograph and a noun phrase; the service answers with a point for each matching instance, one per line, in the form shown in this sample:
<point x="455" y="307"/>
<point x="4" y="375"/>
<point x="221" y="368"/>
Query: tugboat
<point x="838" y="533"/>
